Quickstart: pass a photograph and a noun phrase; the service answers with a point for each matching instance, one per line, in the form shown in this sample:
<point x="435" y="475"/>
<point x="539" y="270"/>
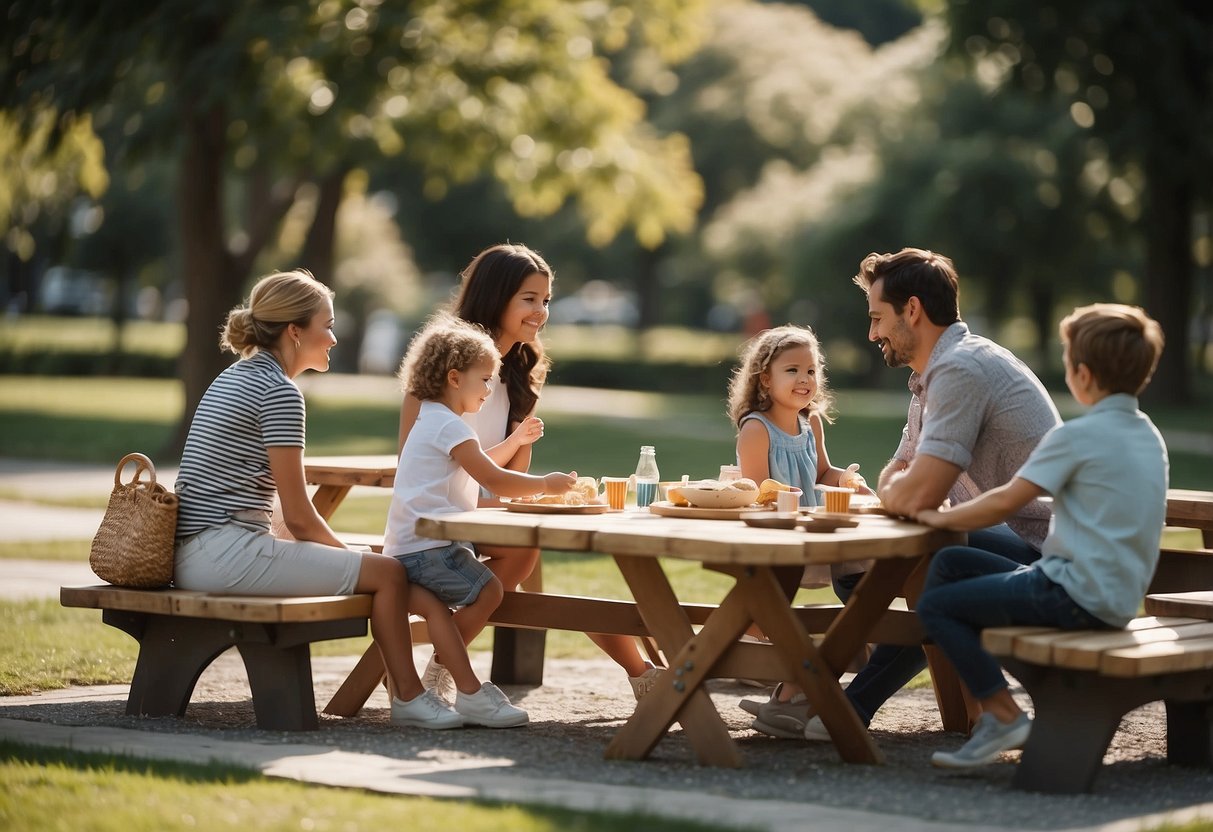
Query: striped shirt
<point x="251" y="406"/>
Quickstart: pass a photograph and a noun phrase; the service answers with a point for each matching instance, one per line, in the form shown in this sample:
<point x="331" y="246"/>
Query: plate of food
<point x="665" y="508"/>
<point x="582" y="498"/>
<point x="716" y="494"/>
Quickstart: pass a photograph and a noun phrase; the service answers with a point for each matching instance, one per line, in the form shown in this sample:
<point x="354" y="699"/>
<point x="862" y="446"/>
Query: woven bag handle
<point x="142" y="463"/>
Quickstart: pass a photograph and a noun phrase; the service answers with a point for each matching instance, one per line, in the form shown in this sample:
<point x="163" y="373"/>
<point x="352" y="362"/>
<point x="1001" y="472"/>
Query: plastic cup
<point x="616" y="491"/>
<point x="788" y="501"/>
<point x="837" y="500"/>
<point x="646" y="493"/>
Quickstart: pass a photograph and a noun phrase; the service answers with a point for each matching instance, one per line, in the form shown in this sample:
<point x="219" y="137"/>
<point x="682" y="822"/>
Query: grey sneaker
<point x="645" y="682"/>
<point x="783" y="719"/>
<point x="425" y="711"/>
<point x="489" y="707"/>
<point x="751" y="706"/>
<point x="438" y="679"/>
<point x="990" y="738"/>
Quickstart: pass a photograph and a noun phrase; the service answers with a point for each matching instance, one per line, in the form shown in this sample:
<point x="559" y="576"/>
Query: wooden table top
<point x="1190" y="509"/>
<point x="378" y="470"/>
<point x="1185" y="508"/>
<point x="707" y="541"/>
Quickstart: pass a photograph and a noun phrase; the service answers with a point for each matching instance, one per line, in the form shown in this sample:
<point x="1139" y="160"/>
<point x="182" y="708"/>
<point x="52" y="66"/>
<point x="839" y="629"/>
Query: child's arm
<point x="514" y="452"/>
<point x="753" y="451"/>
<point x="988" y="509"/>
<point x="503" y="481"/>
<point x="828" y="474"/>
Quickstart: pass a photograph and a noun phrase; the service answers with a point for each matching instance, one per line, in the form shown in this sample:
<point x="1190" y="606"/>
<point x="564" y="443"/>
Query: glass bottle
<point x="647" y="477"/>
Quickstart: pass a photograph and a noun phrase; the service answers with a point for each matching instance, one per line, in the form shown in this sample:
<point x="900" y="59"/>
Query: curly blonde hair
<point x="745" y="388"/>
<point x="445" y="343"/>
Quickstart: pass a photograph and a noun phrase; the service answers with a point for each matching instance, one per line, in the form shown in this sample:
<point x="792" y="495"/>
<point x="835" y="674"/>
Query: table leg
<point x="328" y="497"/>
<point x="680" y="695"/>
<point x="359" y="685"/>
<point x="958" y="710"/>
<point x="770" y="607"/>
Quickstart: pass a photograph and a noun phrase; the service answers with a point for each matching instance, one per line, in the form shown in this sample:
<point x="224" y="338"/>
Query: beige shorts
<point x="245" y="559"/>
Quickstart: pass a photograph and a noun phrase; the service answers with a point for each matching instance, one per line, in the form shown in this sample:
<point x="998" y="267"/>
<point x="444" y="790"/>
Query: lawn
<point x="53" y="789"/>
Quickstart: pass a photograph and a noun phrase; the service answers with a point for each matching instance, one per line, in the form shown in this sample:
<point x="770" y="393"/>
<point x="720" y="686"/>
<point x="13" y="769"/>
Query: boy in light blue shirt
<point x="1107" y="473"/>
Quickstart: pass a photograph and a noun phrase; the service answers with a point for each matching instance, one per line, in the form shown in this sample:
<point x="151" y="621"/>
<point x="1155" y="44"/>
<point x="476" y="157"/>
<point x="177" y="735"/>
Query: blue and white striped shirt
<point x="251" y="406"/>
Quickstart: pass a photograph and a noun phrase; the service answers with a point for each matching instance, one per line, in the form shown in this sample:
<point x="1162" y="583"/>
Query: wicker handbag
<point x="134" y="546"/>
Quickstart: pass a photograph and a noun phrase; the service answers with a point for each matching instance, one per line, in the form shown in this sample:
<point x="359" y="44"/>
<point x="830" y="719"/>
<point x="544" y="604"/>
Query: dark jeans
<point x="968" y="589"/>
<point x="891" y="666"/>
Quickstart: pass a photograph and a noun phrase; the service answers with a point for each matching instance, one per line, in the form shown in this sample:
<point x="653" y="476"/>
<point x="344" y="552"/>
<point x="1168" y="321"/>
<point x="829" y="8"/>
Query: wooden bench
<point x="1082" y="682"/>
<point x="181" y="632"/>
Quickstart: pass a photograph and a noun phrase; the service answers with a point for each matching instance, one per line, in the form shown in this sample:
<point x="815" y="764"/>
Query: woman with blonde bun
<point x="245" y="448"/>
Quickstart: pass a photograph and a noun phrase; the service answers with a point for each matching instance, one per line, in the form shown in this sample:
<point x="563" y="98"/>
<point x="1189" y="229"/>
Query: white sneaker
<point x="425" y="711"/>
<point x="990" y="738"/>
<point x="645" y="682"/>
<point x="438" y="679"/>
<point x="489" y="707"/>
<point x="815" y="730"/>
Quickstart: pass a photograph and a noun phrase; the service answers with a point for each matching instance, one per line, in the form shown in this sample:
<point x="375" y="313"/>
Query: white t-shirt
<point x="428" y="480"/>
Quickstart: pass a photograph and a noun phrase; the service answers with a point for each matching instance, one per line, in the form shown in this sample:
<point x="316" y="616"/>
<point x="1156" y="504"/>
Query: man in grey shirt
<point x="976" y="413"/>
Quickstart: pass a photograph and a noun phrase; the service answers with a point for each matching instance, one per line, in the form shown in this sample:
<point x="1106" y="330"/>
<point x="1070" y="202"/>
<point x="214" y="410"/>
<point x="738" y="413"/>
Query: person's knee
<point x="492" y="592"/>
<point x="379" y="572"/>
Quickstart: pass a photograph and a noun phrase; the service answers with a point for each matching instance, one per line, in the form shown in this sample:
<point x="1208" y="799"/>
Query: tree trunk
<point x="319" y="247"/>
<point x="212" y="283"/>
<point x="1168" y="295"/>
<point x="1041" y="304"/>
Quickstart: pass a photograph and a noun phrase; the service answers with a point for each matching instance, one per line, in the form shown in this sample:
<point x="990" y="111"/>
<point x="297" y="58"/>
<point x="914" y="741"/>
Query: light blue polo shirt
<point x="1107" y="471"/>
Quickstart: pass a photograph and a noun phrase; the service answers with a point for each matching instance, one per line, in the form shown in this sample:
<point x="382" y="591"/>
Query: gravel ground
<point x="576" y="712"/>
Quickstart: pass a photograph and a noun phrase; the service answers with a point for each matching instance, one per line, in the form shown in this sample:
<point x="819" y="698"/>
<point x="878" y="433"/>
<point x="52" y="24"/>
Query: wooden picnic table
<point x="766" y="565"/>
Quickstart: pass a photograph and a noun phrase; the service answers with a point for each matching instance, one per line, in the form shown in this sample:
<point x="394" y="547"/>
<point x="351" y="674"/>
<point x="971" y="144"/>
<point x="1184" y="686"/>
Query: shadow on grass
<point x="89" y="761"/>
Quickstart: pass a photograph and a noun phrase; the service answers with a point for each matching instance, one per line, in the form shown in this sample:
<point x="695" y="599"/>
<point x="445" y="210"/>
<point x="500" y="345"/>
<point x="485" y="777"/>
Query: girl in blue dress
<point x="779" y="400"/>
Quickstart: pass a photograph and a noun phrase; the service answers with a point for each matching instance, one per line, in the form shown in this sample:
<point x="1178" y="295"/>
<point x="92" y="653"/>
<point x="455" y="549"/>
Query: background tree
<point x="273" y="95"/>
<point x="1139" y="76"/>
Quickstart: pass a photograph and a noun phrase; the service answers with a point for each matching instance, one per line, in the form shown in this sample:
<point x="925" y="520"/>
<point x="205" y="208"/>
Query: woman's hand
<point x="529" y="431"/>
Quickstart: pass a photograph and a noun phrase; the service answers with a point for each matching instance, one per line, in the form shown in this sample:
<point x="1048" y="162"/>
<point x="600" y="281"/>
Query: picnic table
<point x="765" y="565"/>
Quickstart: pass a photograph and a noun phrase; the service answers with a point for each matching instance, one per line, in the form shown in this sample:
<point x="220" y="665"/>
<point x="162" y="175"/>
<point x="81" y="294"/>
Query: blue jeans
<point x="968" y="589"/>
<point x="891" y="666"/>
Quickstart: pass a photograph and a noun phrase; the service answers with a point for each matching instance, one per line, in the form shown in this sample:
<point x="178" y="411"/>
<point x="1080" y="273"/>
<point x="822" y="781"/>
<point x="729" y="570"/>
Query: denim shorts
<point x="452" y="572"/>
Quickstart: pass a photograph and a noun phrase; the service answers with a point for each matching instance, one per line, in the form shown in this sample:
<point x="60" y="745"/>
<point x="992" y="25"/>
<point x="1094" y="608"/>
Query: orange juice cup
<point x="616" y="491"/>
<point x="837" y="500"/>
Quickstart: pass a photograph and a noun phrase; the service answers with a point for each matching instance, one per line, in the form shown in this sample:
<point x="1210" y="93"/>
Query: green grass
<point x="53" y="789"/>
<point x="44" y="646"/>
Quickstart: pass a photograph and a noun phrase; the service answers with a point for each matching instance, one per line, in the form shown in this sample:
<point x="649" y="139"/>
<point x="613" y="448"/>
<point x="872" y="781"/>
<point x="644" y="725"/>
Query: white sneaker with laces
<point x="489" y="707"/>
<point x="645" y="682"/>
<point x="989" y="739"/>
<point x="425" y="711"/>
<point x="438" y="678"/>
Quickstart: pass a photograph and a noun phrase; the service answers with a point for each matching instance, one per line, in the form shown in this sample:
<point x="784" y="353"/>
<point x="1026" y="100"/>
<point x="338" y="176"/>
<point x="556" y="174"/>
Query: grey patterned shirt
<point x="980" y="408"/>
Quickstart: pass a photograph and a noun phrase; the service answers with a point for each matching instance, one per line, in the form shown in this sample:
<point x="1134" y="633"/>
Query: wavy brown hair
<point x="489" y="282"/>
<point x="756" y="356"/>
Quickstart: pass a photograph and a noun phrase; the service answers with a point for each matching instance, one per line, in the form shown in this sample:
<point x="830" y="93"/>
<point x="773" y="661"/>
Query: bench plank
<point x="190" y="604"/>
<point x="1159" y="658"/>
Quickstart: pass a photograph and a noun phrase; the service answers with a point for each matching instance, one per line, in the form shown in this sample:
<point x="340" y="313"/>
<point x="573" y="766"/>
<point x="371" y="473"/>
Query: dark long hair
<point x="489" y="282"/>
